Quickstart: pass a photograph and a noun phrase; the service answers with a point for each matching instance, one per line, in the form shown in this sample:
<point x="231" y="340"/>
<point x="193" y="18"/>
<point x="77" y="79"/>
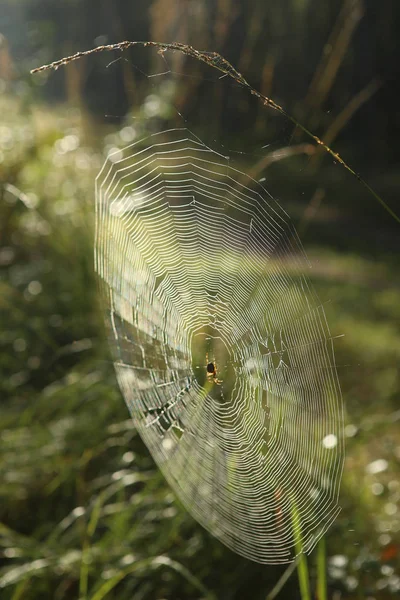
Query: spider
<point x="212" y="371"/>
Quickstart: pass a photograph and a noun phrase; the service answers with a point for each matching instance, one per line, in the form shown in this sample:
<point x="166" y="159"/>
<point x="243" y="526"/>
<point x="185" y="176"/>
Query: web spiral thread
<point x="198" y="264"/>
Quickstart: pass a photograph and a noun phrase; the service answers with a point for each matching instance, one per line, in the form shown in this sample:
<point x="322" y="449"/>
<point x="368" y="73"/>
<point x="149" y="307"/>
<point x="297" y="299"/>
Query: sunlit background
<point x="84" y="512"/>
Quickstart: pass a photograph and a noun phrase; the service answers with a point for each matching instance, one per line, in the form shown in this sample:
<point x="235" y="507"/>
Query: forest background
<point x="84" y="513"/>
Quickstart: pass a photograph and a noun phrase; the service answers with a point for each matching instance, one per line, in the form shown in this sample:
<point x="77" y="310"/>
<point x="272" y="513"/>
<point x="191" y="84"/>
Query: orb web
<point x="221" y="347"/>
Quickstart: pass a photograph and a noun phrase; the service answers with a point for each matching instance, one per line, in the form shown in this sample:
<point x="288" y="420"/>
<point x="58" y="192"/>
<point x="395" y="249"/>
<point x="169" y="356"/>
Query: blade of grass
<point x="20" y="590"/>
<point x="152" y="563"/>
<point x="321" y="570"/>
<point x="90" y="530"/>
<point x="302" y="567"/>
<point x="84" y="571"/>
<point x="302" y="572"/>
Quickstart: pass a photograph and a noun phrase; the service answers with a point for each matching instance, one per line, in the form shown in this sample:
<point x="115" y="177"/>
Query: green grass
<point x="302" y="567"/>
<point x="84" y="512"/>
<point x="321" y="571"/>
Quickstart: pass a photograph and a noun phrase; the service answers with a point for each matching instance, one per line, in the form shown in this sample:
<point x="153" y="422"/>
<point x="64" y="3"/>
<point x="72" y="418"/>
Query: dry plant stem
<point x="345" y="115"/>
<point x="215" y="60"/>
<point x="227" y="12"/>
<point x="267" y="75"/>
<point x="279" y="585"/>
<point x="332" y="57"/>
<point x="276" y="155"/>
<point x="253" y="31"/>
<point x="338" y="42"/>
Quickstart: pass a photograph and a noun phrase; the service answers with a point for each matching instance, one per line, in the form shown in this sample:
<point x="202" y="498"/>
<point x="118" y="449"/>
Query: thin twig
<point x="279" y="585"/>
<point x="334" y="52"/>
<point x="346" y="114"/>
<point x="277" y="155"/>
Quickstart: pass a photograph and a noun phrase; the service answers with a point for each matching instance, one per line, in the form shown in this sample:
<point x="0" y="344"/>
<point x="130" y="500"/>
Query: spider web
<point x="199" y="264"/>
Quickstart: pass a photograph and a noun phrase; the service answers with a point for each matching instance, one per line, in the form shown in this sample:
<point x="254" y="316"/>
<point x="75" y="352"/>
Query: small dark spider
<point x="212" y="371"/>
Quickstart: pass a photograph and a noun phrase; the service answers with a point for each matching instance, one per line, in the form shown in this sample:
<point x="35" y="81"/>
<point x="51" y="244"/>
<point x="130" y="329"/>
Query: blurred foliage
<point x="82" y="504"/>
<point x="84" y="513"/>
